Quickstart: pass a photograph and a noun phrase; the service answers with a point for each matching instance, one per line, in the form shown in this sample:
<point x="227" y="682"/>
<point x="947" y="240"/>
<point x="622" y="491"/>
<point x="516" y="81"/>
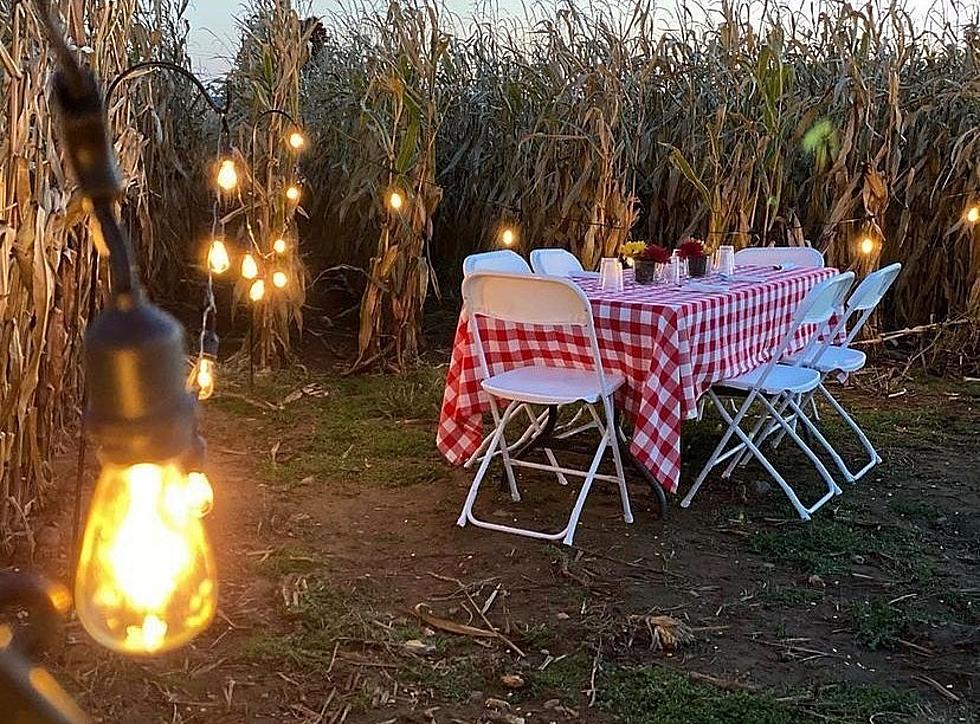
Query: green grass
<point x="562" y="678"/>
<point x="791" y="596"/>
<point x="375" y="430"/>
<point x="658" y="695"/>
<point x="826" y="546"/>
<point x="916" y="510"/>
<point x="447" y="679"/>
<point x="880" y="625"/>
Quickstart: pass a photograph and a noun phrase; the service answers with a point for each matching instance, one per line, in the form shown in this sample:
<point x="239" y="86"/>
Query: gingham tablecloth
<point x="671" y="345"/>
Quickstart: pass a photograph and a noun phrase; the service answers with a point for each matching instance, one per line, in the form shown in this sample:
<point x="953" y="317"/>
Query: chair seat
<point x="842" y="359"/>
<point x="541" y="385"/>
<point x="782" y="378"/>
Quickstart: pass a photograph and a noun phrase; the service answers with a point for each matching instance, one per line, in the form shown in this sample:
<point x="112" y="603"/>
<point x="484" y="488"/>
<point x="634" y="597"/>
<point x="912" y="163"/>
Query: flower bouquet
<point x="692" y="250"/>
<point x="648" y="262"/>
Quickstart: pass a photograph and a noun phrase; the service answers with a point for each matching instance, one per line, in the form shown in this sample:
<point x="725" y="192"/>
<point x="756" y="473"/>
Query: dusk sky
<point x="213" y="35"/>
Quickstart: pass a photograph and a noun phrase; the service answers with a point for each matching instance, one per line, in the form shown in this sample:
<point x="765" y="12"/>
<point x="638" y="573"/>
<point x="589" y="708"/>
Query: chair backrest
<point x="527" y="299"/>
<point x="554" y="262"/>
<point x="817" y="308"/>
<point x="503" y="260"/>
<point x="866" y="296"/>
<point x="802" y="256"/>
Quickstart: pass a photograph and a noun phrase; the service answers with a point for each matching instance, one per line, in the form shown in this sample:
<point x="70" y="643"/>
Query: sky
<point x="213" y="37"/>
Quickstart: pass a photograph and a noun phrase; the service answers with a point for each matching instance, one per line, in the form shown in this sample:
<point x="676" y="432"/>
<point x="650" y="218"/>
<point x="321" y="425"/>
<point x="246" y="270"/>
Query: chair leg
<point x="610" y="435"/>
<point x="516" y="444"/>
<point x="584" y="492"/>
<point x="536" y="424"/>
<point x="467" y="513"/>
<point x="873" y="457"/>
<point x="832" y="487"/>
<point x="732" y="426"/>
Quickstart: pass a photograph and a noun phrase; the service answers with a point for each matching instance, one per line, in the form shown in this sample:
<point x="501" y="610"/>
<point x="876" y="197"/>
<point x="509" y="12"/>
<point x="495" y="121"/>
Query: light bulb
<point x="146" y="580"/>
<point x="396" y="200"/>
<point x="279" y="246"/>
<point x="508" y="236"/>
<point x="867" y="246"/>
<point x="199" y="495"/>
<point x="293" y="192"/>
<point x="257" y="290"/>
<point x="973" y="214"/>
<point x="227" y="175"/>
<point x="280" y="279"/>
<point x="205" y="378"/>
<point x="218" y="257"/>
<point x="250" y="269"/>
<point x="296" y="141"/>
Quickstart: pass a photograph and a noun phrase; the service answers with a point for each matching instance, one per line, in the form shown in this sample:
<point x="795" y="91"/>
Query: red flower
<point x="655" y="253"/>
<point x="691" y="249"/>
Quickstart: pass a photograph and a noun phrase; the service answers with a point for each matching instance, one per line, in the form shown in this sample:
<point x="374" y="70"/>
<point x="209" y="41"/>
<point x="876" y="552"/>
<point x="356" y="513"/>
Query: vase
<point x="645" y="271"/>
<point x="697" y="266"/>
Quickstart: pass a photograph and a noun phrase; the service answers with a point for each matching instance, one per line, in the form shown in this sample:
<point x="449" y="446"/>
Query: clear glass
<point x="250" y="269"/>
<point x="146" y="577"/>
<point x="218" y="258"/>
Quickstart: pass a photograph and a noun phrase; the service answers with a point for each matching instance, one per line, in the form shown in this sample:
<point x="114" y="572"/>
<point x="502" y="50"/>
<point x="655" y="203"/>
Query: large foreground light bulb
<point x="227" y="177"/>
<point x="145" y="581"/>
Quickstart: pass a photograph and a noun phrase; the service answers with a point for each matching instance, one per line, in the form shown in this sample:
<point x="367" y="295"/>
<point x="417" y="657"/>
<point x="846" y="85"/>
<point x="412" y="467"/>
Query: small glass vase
<point x="697" y="266"/>
<point x="645" y="271"/>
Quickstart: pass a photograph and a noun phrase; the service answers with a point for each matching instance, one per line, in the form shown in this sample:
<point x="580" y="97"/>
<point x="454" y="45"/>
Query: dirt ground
<point x="347" y="592"/>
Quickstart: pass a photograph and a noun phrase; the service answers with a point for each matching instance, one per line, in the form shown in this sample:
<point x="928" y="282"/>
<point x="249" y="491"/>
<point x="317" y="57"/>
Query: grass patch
<point x="561" y="678"/>
<point x="324" y="615"/>
<point x="373" y="430"/>
<point x="880" y="625"/>
<point x="638" y="695"/>
<point x="790" y="596"/>
<point x="447" y="679"/>
<point x="827" y="546"/>
<point x="916" y="510"/>
<point x="287" y="560"/>
<point x="656" y="694"/>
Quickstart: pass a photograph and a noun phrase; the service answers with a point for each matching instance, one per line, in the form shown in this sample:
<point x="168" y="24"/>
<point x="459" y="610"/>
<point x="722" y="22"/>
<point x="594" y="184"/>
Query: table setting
<point x="672" y="331"/>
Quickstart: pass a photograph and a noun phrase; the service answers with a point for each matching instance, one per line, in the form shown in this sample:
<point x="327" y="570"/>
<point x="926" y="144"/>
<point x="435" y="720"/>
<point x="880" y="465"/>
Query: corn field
<point x="48" y="267"/>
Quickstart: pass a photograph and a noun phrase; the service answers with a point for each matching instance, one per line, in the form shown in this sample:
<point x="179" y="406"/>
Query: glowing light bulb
<point x="508" y="236"/>
<point x="205" y="378"/>
<point x="280" y="279"/>
<point x="199" y="495"/>
<point x="227" y="175"/>
<point x="257" y="290"/>
<point x="146" y="578"/>
<point x="296" y="141"/>
<point x="218" y="257"/>
<point x="279" y="246"/>
<point x="866" y="246"/>
<point x="250" y="269"/>
<point x="293" y="193"/>
<point x="396" y="200"/>
<point x="973" y="214"/>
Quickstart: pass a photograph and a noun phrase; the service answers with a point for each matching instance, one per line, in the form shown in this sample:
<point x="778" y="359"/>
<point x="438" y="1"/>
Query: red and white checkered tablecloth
<point x="671" y="345"/>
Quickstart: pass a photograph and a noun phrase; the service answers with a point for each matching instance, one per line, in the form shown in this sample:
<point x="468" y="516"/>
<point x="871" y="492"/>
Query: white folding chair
<point x="546" y="301"/>
<point x="828" y="358"/>
<point x="778" y="386"/>
<point x="503" y="260"/>
<point x="555" y="262"/>
<point x="801" y="256"/>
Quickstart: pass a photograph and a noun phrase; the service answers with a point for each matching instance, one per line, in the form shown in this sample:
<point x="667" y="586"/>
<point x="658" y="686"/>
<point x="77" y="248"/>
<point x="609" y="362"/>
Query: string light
<point x="204" y="378"/>
<point x="297" y="141"/>
<point x="145" y="581"/>
<point x="250" y="269"/>
<point x="279" y="246"/>
<point x="199" y="495"/>
<point x="508" y="235"/>
<point x="218" y="259"/>
<point x="293" y="192"/>
<point x="867" y="245"/>
<point x="280" y="280"/>
<point x="973" y="213"/>
<point x="395" y="200"/>
<point x="257" y="290"/>
<point x="227" y="175"/>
